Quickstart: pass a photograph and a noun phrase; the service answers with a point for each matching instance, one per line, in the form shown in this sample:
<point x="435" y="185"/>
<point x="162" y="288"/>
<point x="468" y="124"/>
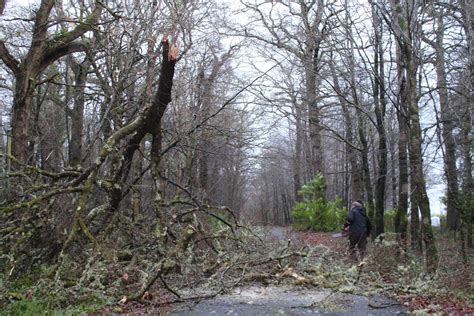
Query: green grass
<point x="22" y="297"/>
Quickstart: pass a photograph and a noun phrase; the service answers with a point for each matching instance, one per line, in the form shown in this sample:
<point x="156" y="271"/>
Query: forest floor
<point x="385" y="284"/>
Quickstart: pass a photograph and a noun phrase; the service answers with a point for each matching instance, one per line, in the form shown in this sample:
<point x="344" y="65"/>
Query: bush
<point x="315" y="213"/>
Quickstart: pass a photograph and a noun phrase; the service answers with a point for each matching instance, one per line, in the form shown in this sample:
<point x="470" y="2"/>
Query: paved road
<point x="289" y="300"/>
<point x="274" y="232"/>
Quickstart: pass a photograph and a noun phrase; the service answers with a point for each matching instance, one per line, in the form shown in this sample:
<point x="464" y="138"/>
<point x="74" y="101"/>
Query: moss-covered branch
<point x="34" y="201"/>
<point x="29" y="169"/>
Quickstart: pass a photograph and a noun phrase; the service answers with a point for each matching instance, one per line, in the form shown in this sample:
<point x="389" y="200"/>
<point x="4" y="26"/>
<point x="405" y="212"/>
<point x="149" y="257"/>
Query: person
<point x="358" y="227"/>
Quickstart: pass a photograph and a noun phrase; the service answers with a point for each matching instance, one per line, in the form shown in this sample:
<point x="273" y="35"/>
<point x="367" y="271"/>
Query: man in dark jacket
<point x="358" y="226"/>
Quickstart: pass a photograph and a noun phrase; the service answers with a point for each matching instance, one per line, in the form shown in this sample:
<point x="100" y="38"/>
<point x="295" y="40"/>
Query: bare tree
<point x="447" y="121"/>
<point x="302" y="39"/>
<point x="43" y="51"/>
<point x="353" y="152"/>
<point x="407" y="33"/>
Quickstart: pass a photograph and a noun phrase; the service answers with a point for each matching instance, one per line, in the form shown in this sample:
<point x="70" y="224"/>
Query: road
<point x="288" y="299"/>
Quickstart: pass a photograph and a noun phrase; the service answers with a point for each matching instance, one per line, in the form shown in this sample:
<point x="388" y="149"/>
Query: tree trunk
<point x="447" y="131"/>
<point x="400" y="221"/>
<point x="77" y="113"/>
<point x="355" y="170"/>
<point x="154" y="123"/>
<point x="2" y="6"/>
<point x="415" y="233"/>
<point x="401" y="215"/>
<point x="203" y="166"/>
<point x="467" y="216"/>
<point x="393" y="172"/>
<point x="380" y="106"/>
<point x="298" y="152"/>
<point x="49" y="131"/>
<point x="35" y="137"/>
<point x="404" y="18"/>
<point x="366" y="170"/>
<point x="416" y="165"/>
<point x="22" y="104"/>
<point x="313" y="116"/>
<point x="3" y="149"/>
<point x="468" y="187"/>
<point x="136" y="191"/>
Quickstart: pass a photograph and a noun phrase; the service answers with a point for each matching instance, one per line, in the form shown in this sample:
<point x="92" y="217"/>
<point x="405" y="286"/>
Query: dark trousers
<point x="358" y="240"/>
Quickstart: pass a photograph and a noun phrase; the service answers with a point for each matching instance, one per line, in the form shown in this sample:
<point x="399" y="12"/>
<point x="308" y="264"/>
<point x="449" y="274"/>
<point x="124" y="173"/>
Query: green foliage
<point x="315" y="213"/>
<point x="25" y="307"/>
<point x="31" y="306"/>
<point x="389" y="220"/>
<point x="25" y="296"/>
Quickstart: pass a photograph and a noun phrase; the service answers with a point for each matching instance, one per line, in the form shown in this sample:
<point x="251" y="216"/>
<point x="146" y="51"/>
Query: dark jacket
<point x="358" y="221"/>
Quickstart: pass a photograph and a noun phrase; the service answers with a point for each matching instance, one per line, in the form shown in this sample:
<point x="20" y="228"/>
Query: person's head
<point x="356" y="204"/>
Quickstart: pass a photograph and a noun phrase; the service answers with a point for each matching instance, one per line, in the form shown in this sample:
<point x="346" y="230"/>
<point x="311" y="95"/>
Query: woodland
<point x="144" y="144"/>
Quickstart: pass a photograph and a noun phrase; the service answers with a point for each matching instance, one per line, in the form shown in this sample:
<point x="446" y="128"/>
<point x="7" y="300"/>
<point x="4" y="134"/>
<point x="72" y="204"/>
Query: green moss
<point x="44" y="306"/>
<point x="39" y="307"/>
<point x="24" y="307"/>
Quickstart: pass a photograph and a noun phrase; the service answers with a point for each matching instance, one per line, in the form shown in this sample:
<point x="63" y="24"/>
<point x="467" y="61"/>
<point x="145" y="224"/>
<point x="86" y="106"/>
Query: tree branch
<point x="8" y="58"/>
<point x="65" y="43"/>
<point x="81" y="29"/>
<point x="40" y="32"/>
<point x="32" y="202"/>
<point x="53" y="54"/>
